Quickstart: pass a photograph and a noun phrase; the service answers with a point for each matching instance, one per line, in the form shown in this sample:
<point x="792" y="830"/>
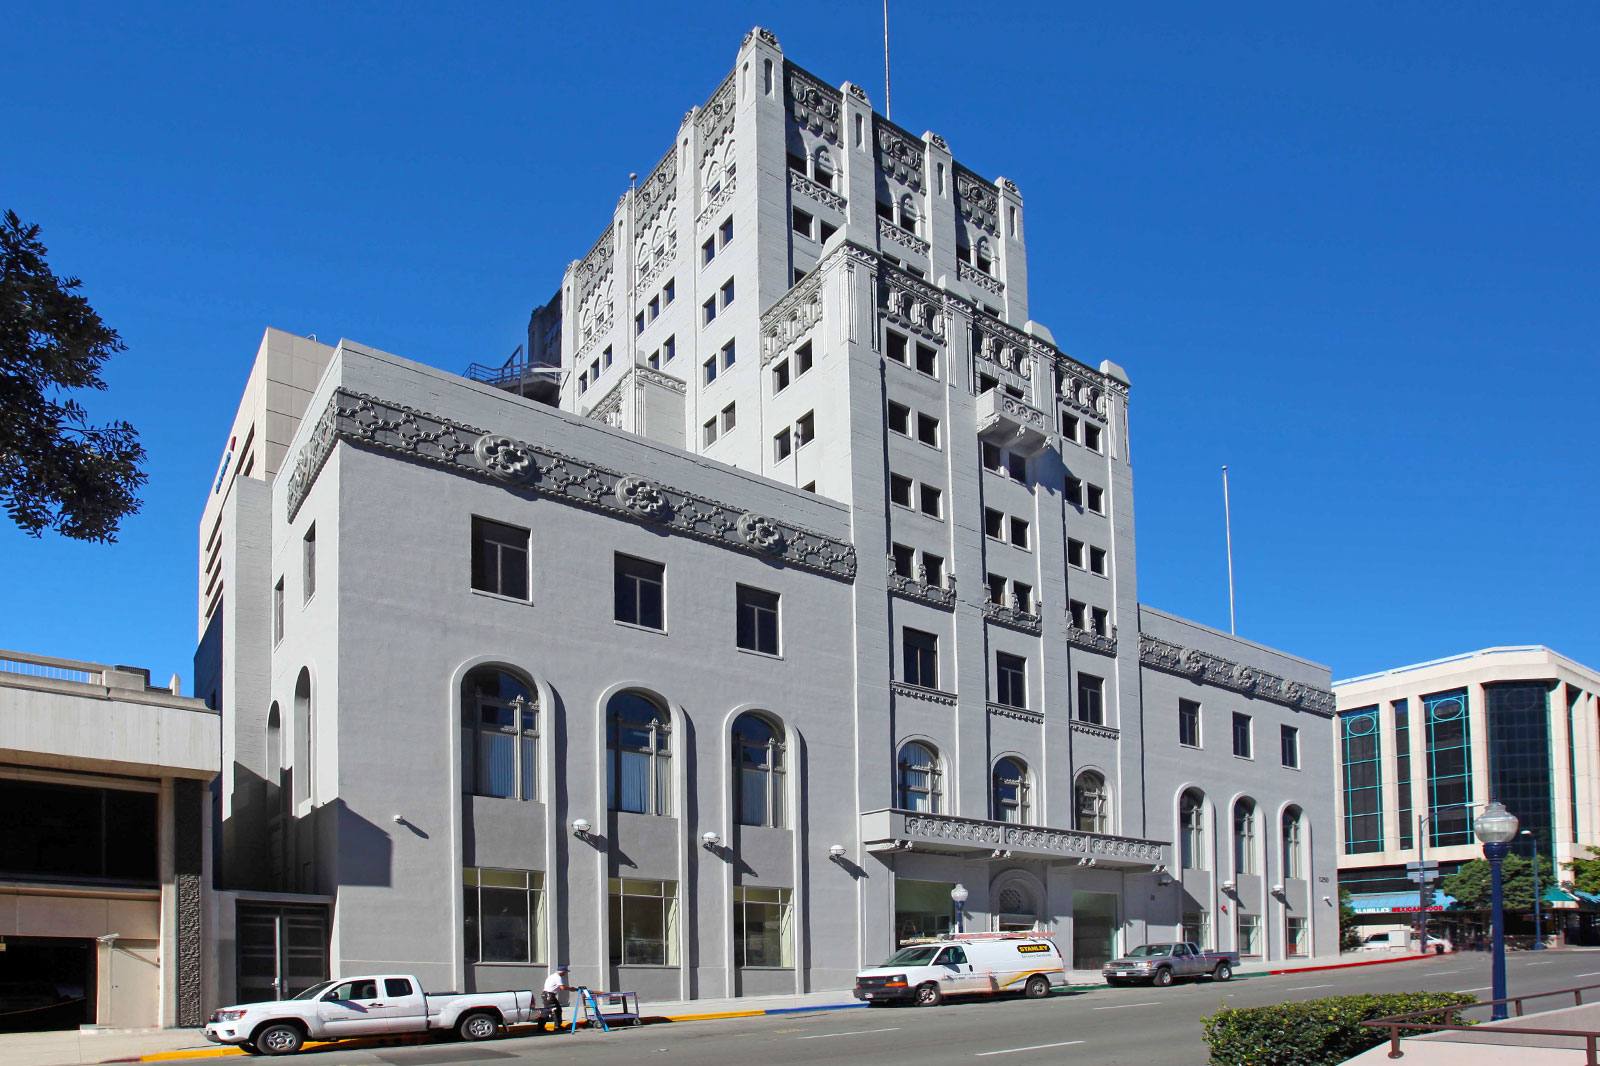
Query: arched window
<point x="984" y="256"/>
<point x="1010" y="788"/>
<point x="758" y="770"/>
<point x="1293" y="864"/>
<point x="1244" y="837"/>
<point x="638" y="760"/>
<point x="908" y="213"/>
<point x="919" y="786"/>
<point x="302" y="736"/>
<point x="1192" y="829"/>
<point x="822" y="167"/>
<point x="1092" y="803"/>
<point x="499" y="735"/>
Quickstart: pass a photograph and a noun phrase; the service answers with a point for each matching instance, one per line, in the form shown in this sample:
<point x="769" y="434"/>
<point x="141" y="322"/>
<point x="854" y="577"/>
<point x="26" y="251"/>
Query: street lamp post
<point x="1538" y="931"/>
<point x="1496" y="827"/>
<point x="958" y="895"/>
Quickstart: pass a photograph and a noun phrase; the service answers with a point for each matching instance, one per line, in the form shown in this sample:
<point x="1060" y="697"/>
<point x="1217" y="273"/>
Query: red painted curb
<point x="1348" y="965"/>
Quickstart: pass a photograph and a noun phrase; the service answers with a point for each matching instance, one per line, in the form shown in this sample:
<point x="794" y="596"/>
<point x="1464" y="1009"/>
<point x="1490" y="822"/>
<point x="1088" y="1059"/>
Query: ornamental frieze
<point x="976" y="200"/>
<point x="368" y="422"/>
<point x="814" y="104"/>
<point x="715" y="120"/>
<point x="659" y="188"/>
<point x="1210" y="669"/>
<point x="937" y="828"/>
<point x="899" y="154"/>
<point x="791" y="318"/>
<point x="912" y="304"/>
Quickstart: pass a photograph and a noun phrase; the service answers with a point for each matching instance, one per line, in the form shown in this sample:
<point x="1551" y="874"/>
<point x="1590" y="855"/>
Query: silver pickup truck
<point x="1161" y="964"/>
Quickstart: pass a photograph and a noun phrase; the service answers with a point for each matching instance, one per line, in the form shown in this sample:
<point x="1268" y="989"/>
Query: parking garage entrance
<point x="46" y="983"/>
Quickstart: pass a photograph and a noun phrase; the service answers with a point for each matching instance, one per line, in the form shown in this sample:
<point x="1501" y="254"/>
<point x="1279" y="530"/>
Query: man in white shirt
<point x="555" y="988"/>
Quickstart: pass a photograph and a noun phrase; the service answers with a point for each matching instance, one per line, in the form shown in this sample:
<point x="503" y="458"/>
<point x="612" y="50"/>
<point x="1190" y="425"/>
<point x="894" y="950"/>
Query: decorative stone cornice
<point x="656" y="377"/>
<point x="1089" y="640"/>
<point x="911" y="303"/>
<point x="971" y="833"/>
<point x="967" y="272"/>
<point x="918" y="588"/>
<point x="368" y="422"/>
<point x="791" y="318"/>
<point x="715" y="119"/>
<point x="1012" y="617"/>
<point x="816" y="190"/>
<point x="888" y="231"/>
<point x="976" y="200"/>
<point x="1021" y="714"/>
<point x="766" y="36"/>
<point x="932" y="695"/>
<point x="899" y="153"/>
<point x="659" y="188"/>
<point x="595" y="265"/>
<point x="1082" y="389"/>
<point x="814" y="104"/>
<point x="717" y="202"/>
<point x="1093" y="730"/>
<point x="653" y="267"/>
<point x="1211" y="669"/>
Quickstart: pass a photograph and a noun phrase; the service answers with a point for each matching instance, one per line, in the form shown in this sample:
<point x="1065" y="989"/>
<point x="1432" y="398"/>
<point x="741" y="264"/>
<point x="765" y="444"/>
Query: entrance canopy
<point x="942" y="834"/>
<point x="1396" y="902"/>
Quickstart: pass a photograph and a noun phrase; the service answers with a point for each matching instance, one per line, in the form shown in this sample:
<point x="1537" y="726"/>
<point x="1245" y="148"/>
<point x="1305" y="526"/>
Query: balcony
<point x="1011" y="423"/>
<point x="942" y="834"/>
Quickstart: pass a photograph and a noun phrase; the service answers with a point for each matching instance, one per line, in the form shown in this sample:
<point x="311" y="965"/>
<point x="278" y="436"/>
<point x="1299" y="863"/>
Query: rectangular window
<point x="1011" y="679"/>
<point x="1091" y="699"/>
<point x="1449" y="747"/>
<point x="797" y="163"/>
<point x="277" y="611"/>
<point x="927" y="361"/>
<point x="727" y="293"/>
<point x="1091" y="437"/>
<point x="1019" y="532"/>
<point x="993" y="459"/>
<point x="308" y="559"/>
<point x="782" y="444"/>
<point x="1075" y="553"/>
<point x="758" y="619"/>
<point x="607" y="356"/>
<point x="583" y="381"/>
<point x="503" y="915"/>
<point x="654" y="362"/>
<point x="669" y="291"/>
<point x="986" y="383"/>
<point x="763" y="927"/>
<point x="802" y="359"/>
<point x="904" y="560"/>
<point x="708" y="433"/>
<point x="1402" y="773"/>
<point x="708" y="250"/>
<point x="826" y="230"/>
<point x="727" y="231"/>
<point x="1022" y="597"/>
<point x="728" y="418"/>
<point x="1069" y="426"/>
<point x="1074" y="492"/>
<point x="708" y="311"/>
<point x="1097" y="561"/>
<point x="1189" y="723"/>
<point x="1078" y="611"/>
<point x="639" y="586"/>
<point x="1017" y="467"/>
<point x="669" y="348"/>
<point x="899" y="419"/>
<point x="1363" y="780"/>
<point x="1097" y="499"/>
<point x="69" y="833"/>
<point x="900" y="490"/>
<point x="1289" y="741"/>
<point x="997" y="588"/>
<point x="805" y="429"/>
<point x="780" y="377"/>
<point x="928" y="430"/>
<point x="802" y="222"/>
<point x="1242" y="745"/>
<point x="1249" y="935"/>
<point x="994" y="523"/>
<point x="727" y="355"/>
<point x="1295" y="932"/>
<point x="499" y="558"/>
<point x="1101" y="621"/>
<point x="930" y="500"/>
<point x="933" y="569"/>
<point x="896" y="347"/>
<point x="644" y="922"/>
<point x="638" y="323"/>
<point x="708" y="371"/>
<point x="920" y="658"/>
<point x="655" y="307"/>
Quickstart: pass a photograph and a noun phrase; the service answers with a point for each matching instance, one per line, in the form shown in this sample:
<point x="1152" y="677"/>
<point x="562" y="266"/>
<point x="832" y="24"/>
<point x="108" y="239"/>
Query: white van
<point x="964" y="964"/>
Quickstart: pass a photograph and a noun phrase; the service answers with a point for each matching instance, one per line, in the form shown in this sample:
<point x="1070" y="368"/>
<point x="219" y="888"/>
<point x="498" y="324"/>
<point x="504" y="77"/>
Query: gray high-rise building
<point x="810" y="597"/>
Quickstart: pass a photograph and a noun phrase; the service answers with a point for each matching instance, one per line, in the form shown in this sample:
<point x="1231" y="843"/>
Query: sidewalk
<point x="74" y="1048"/>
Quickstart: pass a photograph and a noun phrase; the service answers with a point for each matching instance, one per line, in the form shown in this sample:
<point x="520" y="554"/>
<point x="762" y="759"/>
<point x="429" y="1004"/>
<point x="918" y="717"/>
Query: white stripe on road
<point x="1595" y="974"/>
<point x="1541" y="964"/>
<point x="1438" y="973"/>
<point x="1302" y="988"/>
<point x="1484" y="988"/>
<point x="858" y="1032"/>
<point x="1120" y="1006"/>
<point x="1035" y="1047"/>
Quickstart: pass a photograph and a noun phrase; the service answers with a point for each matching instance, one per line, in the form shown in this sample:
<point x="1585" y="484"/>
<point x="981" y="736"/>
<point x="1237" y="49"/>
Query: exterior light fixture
<point x="836" y="852"/>
<point x="1496" y="827"/>
<point x="711" y="838"/>
<point x="1277" y="890"/>
<point x="1229" y="886"/>
<point x="580" y="827"/>
<point x="958" y="896"/>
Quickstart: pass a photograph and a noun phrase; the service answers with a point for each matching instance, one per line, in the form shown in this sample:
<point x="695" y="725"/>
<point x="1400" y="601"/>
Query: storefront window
<point x="644" y="922"/>
<point x="922" y="908"/>
<point x="763" y="927"/>
<point x="504" y="912"/>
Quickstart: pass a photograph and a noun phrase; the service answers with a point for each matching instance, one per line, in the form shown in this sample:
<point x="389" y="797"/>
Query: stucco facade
<point x="866" y="514"/>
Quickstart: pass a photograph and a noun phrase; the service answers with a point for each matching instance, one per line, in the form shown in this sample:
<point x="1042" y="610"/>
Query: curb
<point x="1349" y="965"/>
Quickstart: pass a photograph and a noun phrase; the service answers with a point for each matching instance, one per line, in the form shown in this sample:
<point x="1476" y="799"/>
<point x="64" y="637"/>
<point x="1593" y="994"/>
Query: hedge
<point x="1316" y="1032"/>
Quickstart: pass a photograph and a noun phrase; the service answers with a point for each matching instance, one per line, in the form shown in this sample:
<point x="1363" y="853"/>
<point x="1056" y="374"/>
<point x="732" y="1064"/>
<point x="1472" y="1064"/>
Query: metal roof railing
<point x="1400" y="1025"/>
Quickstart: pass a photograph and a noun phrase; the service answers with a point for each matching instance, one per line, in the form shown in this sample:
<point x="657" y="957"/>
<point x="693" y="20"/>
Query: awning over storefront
<point x="1396" y="902"/>
<point x="890" y="831"/>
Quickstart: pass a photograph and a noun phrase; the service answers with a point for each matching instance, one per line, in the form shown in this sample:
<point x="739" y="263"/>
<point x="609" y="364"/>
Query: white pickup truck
<point x="380" y="1005"/>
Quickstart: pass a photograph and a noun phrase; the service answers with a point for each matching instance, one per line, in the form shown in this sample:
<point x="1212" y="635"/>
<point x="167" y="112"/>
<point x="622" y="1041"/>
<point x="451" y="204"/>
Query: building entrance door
<point x="282" y="950"/>
<point x="1094" y="929"/>
<point x="46" y="983"/>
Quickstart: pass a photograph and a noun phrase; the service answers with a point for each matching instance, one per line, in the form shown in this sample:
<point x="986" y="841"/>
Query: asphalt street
<point x="1138" y="1025"/>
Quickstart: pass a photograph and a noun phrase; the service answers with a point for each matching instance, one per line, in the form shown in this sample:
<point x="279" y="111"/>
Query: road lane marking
<point x="1121" y="1006"/>
<point x="858" y="1032"/>
<point x="1595" y="974"/>
<point x="1034" y="1047"/>
<point x="1541" y="964"/>
<point x="1302" y="988"/>
<point x="1483" y="988"/>
<point x="1438" y="973"/>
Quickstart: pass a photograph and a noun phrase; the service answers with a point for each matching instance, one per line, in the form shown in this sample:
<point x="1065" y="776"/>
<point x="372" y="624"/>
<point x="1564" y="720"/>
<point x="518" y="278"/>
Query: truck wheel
<point x="1036" y="988"/>
<point x="1223" y="972"/>
<point x="249" y="1049"/>
<point x="479" y="1025"/>
<point x="1162" y="977"/>
<point x="928" y="995"/>
<point x="279" y="1038"/>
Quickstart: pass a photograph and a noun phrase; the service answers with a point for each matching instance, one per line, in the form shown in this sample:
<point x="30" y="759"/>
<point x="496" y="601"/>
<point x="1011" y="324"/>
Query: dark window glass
<point x="503" y="921"/>
<point x="63" y="832"/>
<point x="1189" y="723"/>
<point x="1242" y="745"/>
<point x="499" y="558"/>
<point x="1091" y="699"/>
<point x="758" y="620"/>
<point x="638" y="764"/>
<point x="904" y="560"/>
<point x="309" y="561"/>
<point x="639" y="584"/>
<point x="1363" y="781"/>
<point x="1018" y="466"/>
<point x="927" y="361"/>
<point x="1289" y="741"/>
<point x="1449" y="746"/>
<point x="396" y="986"/>
<point x="897" y="347"/>
<point x="1011" y="680"/>
<point x="1402" y="773"/>
<point x="921" y="658"/>
<point x="1520" y="769"/>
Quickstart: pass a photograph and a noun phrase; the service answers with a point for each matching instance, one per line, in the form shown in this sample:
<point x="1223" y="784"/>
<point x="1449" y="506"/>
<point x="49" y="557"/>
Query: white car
<point x="379" y="1005"/>
<point x="964" y="965"/>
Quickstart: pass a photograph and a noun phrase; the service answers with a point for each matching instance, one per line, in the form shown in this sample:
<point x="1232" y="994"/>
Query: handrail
<point x="50" y="667"/>
<point x="1394" y="1023"/>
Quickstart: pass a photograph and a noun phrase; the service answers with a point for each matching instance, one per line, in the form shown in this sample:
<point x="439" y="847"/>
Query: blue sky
<point x="1350" y="251"/>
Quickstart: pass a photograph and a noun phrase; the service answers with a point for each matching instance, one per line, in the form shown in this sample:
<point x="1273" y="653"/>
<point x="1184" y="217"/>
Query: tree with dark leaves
<point x="57" y="471"/>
